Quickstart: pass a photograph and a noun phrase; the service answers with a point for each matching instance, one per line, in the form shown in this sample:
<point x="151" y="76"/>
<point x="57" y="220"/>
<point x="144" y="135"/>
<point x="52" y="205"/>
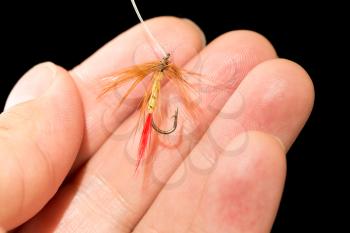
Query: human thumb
<point x="40" y="135"/>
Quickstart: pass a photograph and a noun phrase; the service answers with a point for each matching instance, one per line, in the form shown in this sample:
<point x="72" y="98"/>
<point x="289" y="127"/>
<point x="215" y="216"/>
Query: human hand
<point x="227" y="177"/>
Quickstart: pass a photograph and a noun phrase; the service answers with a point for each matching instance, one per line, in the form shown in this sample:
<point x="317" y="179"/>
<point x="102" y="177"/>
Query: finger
<point x="277" y="86"/>
<point x="109" y="175"/>
<point x="103" y="116"/>
<point x="276" y="97"/>
<point x="241" y="194"/>
<point x="39" y="141"/>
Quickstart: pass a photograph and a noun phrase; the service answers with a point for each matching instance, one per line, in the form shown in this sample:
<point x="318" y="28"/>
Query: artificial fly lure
<point x="158" y="70"/>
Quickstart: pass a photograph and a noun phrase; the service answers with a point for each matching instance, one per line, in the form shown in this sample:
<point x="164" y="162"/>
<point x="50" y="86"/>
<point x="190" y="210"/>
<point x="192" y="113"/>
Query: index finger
<point x="102" y="117"/>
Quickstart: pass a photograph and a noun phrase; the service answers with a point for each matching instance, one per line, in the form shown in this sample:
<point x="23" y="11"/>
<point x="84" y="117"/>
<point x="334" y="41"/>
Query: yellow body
<point x="153" y="99"/>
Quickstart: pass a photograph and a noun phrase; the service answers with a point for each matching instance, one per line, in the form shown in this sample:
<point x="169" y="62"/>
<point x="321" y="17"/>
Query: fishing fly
<point x="157" y="70"/>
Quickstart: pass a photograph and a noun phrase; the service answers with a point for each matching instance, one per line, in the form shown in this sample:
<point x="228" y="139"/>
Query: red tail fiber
<point x="145" y="136"/>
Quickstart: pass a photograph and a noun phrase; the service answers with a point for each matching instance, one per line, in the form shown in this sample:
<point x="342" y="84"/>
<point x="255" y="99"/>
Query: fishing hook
<point x="156" y="128"/>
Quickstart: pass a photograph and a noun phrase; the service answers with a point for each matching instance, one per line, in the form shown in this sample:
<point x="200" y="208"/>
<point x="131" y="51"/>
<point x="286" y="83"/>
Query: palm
<point x="203" y="178"/>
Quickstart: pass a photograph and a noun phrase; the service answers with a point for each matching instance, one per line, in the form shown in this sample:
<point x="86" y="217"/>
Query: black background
<point x="64" y="33"/>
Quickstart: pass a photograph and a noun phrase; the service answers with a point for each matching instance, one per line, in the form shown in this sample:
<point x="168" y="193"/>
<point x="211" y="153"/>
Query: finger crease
<point x="48" y="163"/>
<point x="119" y="207"/>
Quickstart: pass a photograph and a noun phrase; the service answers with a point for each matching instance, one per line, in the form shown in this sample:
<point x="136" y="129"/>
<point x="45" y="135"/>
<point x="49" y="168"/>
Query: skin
<point x="226" y="176"/>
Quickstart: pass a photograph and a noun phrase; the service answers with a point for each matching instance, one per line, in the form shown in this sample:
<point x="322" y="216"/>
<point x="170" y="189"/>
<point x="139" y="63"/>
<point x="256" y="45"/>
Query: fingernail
<point x="32" y="84"/>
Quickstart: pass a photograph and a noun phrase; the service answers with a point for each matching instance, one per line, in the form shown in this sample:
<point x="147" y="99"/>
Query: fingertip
<point x="247" y="187"/>
<point x="32" y="84"/>
<point x="270" y="149"/>
<point x="301" y="78"/>
<point x="279" y="97"/>
<point x="290" y="73"/>
<point x="260" y="148"/>
<point x="186" y="26"/>
<point x="198" y="29"/>
<point x="250" y="40"/>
